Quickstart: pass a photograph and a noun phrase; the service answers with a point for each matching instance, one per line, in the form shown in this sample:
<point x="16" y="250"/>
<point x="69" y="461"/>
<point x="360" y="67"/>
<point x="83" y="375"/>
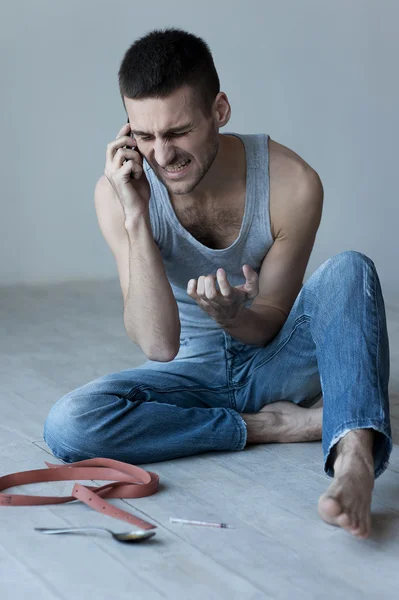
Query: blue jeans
<point x="334" y="344"/>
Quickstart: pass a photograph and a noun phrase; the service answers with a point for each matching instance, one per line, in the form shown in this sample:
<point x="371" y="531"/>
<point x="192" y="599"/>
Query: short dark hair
<point x="165" y="59"/>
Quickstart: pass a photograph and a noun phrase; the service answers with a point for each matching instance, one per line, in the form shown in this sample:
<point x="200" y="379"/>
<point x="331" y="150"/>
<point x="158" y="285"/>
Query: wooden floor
<point x="54" y="339"/>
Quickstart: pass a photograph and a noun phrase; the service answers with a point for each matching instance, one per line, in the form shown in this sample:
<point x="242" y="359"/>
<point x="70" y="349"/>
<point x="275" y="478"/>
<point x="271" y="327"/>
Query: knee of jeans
<point x="352" y="256"/>
<point x="350" y="263"/>
<point x="65" y="429"/>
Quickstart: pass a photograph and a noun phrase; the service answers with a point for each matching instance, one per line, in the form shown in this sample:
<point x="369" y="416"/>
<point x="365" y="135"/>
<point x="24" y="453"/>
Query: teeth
<point x="178" y="166"/>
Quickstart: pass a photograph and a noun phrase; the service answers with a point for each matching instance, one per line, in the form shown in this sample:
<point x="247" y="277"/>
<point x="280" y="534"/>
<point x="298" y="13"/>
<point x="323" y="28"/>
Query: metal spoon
<point x="128" y="536"/>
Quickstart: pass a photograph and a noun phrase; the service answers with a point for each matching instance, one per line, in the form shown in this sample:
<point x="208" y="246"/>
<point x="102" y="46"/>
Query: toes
<point x="362" y="523"/>
<point x="357" y="521"/>
<point x="355" y="526"/>
<point x="344" y="520"/>
<point x="360" y="532"/>
<point x="349" y="522"/>
<point x="364" y="529"/>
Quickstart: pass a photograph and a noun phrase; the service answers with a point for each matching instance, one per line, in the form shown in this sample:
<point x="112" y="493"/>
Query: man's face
<point x="171" y="131"/>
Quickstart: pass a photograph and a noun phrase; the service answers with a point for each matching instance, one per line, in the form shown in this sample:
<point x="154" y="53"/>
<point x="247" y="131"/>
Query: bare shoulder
<point x="293" y="184"/>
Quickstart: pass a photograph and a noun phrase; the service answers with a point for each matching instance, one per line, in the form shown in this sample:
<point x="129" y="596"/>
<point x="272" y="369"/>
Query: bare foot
<point x="283" y="422"/>
<point x="347" y="502"/>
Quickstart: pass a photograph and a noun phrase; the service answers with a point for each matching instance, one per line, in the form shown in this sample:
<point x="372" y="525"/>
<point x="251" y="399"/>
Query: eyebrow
<point x="171" y="130"/>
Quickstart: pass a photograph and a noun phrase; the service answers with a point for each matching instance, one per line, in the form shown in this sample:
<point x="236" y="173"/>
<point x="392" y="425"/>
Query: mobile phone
<point x="132" y="136"/>
<point x="136" y="148"/>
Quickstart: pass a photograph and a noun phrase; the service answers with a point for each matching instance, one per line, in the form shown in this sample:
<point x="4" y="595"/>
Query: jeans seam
<point x="241" y="427"/>
<point x="381" y="421"/>
<point x="303" y="318"/>
<point x="378" y="344"/>
<point x="367" y="423"/>
<point x="67" y="448"/>
<point x="141" y="388"/>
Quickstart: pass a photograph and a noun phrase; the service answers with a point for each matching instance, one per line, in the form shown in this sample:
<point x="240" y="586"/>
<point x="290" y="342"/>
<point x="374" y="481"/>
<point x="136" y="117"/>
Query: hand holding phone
<point x="124" y="170"/>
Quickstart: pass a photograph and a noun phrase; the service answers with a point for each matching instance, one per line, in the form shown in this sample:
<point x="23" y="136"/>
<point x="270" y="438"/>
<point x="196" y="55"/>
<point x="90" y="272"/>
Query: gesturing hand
<point x="223" y="306"/>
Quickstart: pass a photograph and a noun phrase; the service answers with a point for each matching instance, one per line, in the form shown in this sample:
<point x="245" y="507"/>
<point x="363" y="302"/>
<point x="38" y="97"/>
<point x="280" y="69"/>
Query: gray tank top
<point x="186" y="258"/>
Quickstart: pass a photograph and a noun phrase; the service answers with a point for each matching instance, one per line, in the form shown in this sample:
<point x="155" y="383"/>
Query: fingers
<point x="224" y="286"/>
<point x="210" y="288"/>
<point x="130" y="159"/>
<point x="132" y="167"/>
<point x="123" y="138"/>
<point x="204" y="288"/>
<point x="251" y="285"/>
<point x="192" y="288"/>
<point x="123" y="154"/>
<point x="250" y="275"/>
<point x="120" y="142"/>
<point x="123" y="151"/>
<point x="123" y="130"/>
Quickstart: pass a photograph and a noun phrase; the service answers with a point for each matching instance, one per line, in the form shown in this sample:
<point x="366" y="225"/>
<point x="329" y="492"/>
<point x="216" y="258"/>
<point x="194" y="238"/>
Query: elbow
<point x="167" y="355"/>
<point x="157" y="354"/>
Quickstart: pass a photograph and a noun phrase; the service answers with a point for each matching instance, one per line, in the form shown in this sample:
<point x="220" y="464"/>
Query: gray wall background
<point x="319" y="76"/>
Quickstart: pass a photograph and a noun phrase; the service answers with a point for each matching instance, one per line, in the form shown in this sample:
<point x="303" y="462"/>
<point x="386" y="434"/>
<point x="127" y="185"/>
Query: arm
<point x="150" y="316"/>
<point x="282" y="271"/>
<point x="256" y="326"/>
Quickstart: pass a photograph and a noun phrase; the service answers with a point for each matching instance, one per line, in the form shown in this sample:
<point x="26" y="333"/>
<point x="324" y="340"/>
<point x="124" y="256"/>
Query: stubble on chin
<point x="189" y="187"/>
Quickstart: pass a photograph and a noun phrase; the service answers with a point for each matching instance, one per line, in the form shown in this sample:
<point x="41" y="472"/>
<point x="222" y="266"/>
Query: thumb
<point x="250" y="275"/>
<point x="251" y="281"/>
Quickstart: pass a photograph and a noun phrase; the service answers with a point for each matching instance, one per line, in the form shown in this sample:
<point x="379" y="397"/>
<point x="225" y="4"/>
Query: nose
<point x="163" y="153"/>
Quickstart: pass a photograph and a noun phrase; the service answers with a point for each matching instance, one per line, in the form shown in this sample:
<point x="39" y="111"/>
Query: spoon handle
<point x="69" y="529"/>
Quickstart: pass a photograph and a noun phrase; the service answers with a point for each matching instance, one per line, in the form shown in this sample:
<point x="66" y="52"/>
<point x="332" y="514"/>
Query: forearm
<point x="256" y="325"/>
<point x="151" y="315"/>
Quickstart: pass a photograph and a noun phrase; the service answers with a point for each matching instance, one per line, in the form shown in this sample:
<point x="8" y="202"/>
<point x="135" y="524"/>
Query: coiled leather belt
<point x="129" y="481"/>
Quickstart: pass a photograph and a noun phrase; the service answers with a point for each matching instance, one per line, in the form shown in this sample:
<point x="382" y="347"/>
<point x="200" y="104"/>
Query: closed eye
<point x="171" y="135"/>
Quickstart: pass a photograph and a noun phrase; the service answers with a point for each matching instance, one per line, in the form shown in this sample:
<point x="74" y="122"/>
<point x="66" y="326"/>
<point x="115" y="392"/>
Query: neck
<point x="227" y="173"/>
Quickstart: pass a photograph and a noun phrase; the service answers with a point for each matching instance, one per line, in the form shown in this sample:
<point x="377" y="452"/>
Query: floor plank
<point x="54" y="339"/>
<point x="165" y="566"/>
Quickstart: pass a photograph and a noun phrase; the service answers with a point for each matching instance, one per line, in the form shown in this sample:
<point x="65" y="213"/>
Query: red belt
<point x="130" y="482"/>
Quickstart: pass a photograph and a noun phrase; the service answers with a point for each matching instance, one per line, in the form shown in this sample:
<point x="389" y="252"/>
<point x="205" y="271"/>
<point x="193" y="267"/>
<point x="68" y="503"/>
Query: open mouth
<point x="178" y="169"/>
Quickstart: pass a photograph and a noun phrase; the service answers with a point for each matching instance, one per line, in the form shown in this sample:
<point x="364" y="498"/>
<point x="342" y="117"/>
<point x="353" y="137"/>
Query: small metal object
<point x="137" y="535"/>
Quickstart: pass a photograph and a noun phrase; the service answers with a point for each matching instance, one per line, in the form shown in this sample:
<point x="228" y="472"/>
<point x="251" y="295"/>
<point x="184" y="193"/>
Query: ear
<point x="222" y="109"/>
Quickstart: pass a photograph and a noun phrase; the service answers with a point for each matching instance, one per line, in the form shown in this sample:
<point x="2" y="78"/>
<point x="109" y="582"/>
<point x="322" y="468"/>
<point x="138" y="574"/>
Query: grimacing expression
<point x="176" y="139"/>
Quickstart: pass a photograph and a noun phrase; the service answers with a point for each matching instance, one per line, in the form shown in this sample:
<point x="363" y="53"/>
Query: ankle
<point x="259" y="432"/>
<point x="356" y="447"/>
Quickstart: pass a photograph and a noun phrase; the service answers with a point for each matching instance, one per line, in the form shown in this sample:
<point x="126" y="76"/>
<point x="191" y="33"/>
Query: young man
<point x="211" y="235"/>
